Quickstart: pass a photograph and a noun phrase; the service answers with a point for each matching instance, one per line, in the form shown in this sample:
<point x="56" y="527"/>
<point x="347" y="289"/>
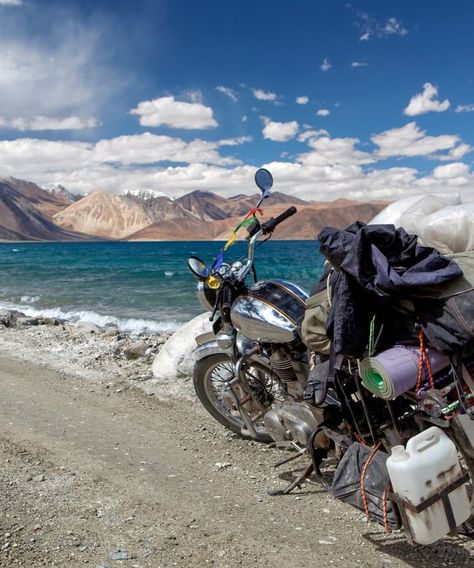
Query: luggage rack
<point x="442" y="495"/>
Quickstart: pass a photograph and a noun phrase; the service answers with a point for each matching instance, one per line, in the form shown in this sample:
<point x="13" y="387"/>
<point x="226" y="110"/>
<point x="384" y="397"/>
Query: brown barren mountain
<point x="26" y="210"/>
<point x="305" y="224"/>
<point x="105" y="215"/>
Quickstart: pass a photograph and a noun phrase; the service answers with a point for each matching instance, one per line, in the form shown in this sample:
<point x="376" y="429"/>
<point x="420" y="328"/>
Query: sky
<point x="362" y="100"/>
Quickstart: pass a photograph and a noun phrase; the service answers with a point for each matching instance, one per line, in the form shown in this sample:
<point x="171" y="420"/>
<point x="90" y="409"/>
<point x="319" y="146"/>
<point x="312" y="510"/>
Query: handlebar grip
<point x="270" y="225"/>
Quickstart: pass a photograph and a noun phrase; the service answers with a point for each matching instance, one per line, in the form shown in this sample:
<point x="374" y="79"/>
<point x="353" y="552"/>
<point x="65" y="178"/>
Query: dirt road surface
<point x="106" y="476"/>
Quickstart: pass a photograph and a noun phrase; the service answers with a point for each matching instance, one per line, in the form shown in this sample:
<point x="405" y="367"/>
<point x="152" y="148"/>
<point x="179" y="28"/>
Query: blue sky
<point x="363" y="100"/>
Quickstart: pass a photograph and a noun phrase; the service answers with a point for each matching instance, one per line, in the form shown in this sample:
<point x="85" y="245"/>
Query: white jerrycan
<point x="428" y="465"/>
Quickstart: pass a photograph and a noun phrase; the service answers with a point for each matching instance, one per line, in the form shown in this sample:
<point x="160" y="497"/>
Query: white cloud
<point x="410" y="141"/>
<point x="303" y="100"/>
<point x="244" y="118"/>
<point x="148" y="148"/>
<point x="369" y="27"/>
<point x="329" y="168"/>
<point x="235" y="141"/>
<point x="55" y="74"/>
<point x="325" y="65"/>
<point x="263" y="95"/>
<point x="326" y="151"/>
<point x="308" y="134"/>
<point x="394" y="27"/>
<point x="11" y="2"/>
<point x="465" y="108"/>
<point x="228" y="92"/>
<point x="357" y="64"/>
<point x="426" y="101"/>
<point x="35" y="159"/>
<point x="279" y="131"/>
<point x="166" y="111"/>
<point x="323" y="112"/>
<point x="48" y="123"/>
<point x="449" y="171"/>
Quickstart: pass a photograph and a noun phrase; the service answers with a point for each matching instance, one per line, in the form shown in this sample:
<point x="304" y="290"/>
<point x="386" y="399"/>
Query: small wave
<point x="29" y="299"/>
<point x="169" y="273"/>
<point x="131" y="325"/>
<point x="15" y="250"/>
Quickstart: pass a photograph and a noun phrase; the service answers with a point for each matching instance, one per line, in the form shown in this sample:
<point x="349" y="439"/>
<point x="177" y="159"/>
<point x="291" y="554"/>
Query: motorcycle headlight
<point x="207" y="296"/>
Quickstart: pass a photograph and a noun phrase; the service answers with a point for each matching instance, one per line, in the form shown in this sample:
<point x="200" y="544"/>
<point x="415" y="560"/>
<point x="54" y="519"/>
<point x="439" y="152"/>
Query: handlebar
<point x="264" y="229"/>
<point x="271" y="224"/>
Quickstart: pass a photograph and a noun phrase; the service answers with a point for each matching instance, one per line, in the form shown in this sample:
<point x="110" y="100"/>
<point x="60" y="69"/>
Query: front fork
<point x="240" y="380"/>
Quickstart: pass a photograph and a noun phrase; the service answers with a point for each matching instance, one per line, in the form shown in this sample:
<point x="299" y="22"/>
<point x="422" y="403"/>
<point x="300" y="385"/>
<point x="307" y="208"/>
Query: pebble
<point x="120" y="555"/>
<point x="135" y="350"/>
<point x="329" y="540"/>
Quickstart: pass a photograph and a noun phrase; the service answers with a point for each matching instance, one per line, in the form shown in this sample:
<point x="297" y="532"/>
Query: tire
<point x="210" y="373"/>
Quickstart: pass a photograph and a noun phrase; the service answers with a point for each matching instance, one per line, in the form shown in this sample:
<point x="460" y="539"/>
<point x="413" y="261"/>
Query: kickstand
<point x="316" y="459"/>
<point x="298" y="481"/>
<point x="291" y="458"/>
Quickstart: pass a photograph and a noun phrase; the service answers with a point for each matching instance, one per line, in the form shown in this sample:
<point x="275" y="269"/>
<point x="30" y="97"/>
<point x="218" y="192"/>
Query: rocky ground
<point x="100" y="468"/>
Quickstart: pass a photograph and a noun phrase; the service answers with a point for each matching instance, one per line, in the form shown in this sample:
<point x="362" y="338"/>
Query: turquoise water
<point x="134" y="285"/>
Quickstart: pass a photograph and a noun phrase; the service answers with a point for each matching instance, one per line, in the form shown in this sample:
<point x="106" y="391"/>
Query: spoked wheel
<point x="211" y="376"/>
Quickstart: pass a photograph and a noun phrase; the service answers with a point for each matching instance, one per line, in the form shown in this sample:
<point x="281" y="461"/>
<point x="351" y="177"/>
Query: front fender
<point x="209" y="347"/>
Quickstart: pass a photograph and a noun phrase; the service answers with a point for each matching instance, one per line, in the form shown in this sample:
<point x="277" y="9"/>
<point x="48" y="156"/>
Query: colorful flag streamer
<point x="248" y="220"/>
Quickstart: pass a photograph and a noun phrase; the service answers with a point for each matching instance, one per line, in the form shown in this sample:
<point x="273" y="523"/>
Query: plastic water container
<point x="427" y="465"/>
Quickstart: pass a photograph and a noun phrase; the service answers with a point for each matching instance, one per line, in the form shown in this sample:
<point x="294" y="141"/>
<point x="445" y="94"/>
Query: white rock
<point x="177" y="354"/>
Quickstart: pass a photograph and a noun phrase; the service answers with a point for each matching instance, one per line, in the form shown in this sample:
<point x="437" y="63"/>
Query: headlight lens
<point x="207" y="296"/>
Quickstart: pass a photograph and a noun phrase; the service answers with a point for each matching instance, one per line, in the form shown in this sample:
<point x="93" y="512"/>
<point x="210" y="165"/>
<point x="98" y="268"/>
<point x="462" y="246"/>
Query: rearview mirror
<point x="198" y="267"/>
<point x="264" y="181"/>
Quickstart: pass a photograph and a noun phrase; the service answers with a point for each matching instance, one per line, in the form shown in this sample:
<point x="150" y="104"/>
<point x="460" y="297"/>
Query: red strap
<point x="362" y="479"/>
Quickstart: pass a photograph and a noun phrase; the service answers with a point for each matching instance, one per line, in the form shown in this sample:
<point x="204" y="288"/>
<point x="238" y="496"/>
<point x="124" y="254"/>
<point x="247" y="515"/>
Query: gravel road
<point x="96" y="472"/>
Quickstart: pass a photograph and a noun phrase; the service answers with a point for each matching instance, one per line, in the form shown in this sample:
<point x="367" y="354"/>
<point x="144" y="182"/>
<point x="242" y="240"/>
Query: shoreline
<point x="98" y="354"/>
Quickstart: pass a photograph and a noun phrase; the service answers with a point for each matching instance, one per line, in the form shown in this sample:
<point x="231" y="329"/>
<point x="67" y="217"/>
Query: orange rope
<point x="424" y="366"/>
<point x="362" y="479"/>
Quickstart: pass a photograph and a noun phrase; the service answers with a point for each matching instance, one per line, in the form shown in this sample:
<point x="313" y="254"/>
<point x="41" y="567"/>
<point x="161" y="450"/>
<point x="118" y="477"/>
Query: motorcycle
<point x="251" y="373"/>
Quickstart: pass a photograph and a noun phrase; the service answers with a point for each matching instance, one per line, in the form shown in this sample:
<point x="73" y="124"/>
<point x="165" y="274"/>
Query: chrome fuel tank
<point x="270" y="312"/>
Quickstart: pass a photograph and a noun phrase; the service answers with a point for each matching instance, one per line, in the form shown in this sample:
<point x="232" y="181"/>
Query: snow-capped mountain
<point x="58" y="189"/>
<point x="144" y="194"/>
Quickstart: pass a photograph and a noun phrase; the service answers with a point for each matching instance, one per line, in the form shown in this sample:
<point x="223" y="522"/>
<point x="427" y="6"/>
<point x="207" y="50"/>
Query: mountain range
<point x="29" y="212"/>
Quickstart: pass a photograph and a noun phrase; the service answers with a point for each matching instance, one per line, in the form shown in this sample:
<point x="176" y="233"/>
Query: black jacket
<point x="377" y="267"/>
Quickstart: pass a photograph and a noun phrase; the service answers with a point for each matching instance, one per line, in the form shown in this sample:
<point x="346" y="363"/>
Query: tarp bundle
<point x="355" y="470"/>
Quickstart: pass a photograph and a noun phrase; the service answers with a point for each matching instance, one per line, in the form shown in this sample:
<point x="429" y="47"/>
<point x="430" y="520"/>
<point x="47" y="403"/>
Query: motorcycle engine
<point x="294" y="421"/>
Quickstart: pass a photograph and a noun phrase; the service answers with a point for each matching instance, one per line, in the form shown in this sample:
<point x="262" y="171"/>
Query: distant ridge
<point x="28" y="212"/>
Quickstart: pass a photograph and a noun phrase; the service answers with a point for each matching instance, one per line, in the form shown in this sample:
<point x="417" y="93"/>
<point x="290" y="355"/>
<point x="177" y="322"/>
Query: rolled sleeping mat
<point x="395" y="371"/>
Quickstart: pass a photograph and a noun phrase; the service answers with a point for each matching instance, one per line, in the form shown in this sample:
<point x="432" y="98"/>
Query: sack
<point x="346" y="484"/>
<point x="448" y="316"/>
<point x="313" y="328"/>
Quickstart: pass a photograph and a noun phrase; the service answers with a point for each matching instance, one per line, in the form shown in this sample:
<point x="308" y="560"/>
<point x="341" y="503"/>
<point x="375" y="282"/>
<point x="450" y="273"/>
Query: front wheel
<point x="211" y="376"/>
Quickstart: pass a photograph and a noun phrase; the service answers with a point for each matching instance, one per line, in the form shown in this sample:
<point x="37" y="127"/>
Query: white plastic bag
<point x="444" y="220"/>
<point x="450" y="226"/>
